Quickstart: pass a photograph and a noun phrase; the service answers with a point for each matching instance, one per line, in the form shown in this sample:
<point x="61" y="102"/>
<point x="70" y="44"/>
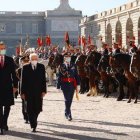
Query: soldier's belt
<point x="70" y="80"/>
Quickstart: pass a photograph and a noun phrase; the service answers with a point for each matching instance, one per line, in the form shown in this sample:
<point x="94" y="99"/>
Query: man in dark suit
<point x="33" y="88"/>
<point x="8" y="86"/>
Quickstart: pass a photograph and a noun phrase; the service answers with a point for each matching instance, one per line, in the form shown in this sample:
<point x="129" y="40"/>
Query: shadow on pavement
<point x="57" y="136"/>
<point x="107" y="123"/>
<point x="88" y="129"/>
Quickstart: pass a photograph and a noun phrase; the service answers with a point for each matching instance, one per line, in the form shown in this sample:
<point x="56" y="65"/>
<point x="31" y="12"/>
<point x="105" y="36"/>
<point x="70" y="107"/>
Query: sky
<point x="88" y="7"/>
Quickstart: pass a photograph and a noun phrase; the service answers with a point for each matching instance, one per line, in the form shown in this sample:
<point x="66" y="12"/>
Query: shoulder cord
<point x="64" y="73"/>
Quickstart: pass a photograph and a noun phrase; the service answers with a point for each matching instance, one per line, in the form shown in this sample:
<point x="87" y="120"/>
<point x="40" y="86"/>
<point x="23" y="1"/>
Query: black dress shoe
<point x="34" y="130"/>
<point x="6" y="128"/>
<point x="1" y="131"/>
<point x="66" y="116"/>
<point x="69" y="118"/>
<point x="26" y="121"/>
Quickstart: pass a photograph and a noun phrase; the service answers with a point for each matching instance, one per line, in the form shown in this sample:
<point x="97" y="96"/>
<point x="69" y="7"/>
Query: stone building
<point x="63" y="19"/>
<point x="120" y="24"/>
<point x="17" y="25"/>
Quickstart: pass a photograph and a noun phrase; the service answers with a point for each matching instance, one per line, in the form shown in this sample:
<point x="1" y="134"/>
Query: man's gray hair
<point x="2" y="43"/>
<point x="33" y="54"/>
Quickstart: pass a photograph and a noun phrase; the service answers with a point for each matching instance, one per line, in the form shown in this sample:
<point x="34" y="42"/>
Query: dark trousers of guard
<point x="4" y="113"/>
<point x="68" y="95"/>
<point x="33" y="119"/>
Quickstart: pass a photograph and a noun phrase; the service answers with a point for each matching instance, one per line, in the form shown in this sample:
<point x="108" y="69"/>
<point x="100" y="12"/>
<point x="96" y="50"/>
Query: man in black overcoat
<point x="8" y="86"/>
<point x="33" y="88"/>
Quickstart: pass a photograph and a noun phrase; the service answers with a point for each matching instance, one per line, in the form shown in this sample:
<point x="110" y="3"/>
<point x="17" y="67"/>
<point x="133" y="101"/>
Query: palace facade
<point x="120" y="24"/>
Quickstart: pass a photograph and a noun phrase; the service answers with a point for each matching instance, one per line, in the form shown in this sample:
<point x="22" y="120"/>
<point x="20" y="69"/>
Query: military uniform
<point x="25" y="60"/>
<point x="133" y="48"/>
<point x="105" y="49"/>
<point x="116" y="49"/>
<point x="67" y="81"/>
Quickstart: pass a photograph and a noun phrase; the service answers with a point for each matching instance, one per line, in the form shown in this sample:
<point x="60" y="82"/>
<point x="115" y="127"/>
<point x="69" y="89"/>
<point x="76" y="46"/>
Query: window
<point x="35" y="13"/>
<point x="91" y="29"/>
<point x="85" y="30"/>
<point x="2" y="28"/>
<point x="1" y="12"/>
<point x="19" y="28"/>
<point x="120" y="8"/>
<point x="34" y="28"/>
<point x="99" y="27"/>
<point x="18" y="12"/>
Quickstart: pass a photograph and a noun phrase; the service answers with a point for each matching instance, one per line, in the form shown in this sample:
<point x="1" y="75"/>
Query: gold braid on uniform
<point x="64" y="73"/>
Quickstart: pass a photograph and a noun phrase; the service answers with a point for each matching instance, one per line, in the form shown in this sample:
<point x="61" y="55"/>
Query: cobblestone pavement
<point x="94" y="118"/>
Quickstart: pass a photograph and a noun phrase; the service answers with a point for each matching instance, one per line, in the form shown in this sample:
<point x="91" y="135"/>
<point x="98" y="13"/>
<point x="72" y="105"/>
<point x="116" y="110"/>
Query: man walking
<point x="33" y="88"/>
<point x="67" y="81"/>
<point x="8" y="86"/>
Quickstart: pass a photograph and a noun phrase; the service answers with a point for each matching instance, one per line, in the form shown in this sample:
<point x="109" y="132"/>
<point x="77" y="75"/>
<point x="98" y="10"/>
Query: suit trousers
<point x="68" y="96"/>
<point x="4" y="113"/>
<point x="33" y="119"/>
<point x="24" y="111"/>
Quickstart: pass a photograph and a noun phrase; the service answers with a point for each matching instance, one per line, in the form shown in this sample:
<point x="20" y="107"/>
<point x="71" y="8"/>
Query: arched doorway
<point x="109" y="35"/>
<point x="139" y="31"/>
<point x="129" y="30"/>
<point x="118" y="37"/>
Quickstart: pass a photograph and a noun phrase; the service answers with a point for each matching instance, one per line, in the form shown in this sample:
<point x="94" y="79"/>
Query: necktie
<point x="68" y="66"/>
<point x="2" y="61"/>
<point x="34" y="67"/>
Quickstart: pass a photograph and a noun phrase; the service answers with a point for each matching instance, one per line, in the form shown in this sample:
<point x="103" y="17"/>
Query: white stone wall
<point x="122" y="13"/>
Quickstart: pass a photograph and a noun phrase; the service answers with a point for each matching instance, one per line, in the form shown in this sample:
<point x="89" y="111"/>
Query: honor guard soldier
<point x="67" y="81"/>
<point x="88" y="49"/>
<point x="73" y="56"/>
<point x="23" y="61"/>
<point x="116" y="48"/>
<point x="110" y="50"/>
<point x="105" y="49"/>
<point x="77" y="51"/>
<point x="133" y="47"/>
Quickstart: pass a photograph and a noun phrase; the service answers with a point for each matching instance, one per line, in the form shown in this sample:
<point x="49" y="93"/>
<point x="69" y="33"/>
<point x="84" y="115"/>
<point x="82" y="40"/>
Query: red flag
<point x="17" y="51"/>
<point x="83" y="41"/>
<point x="67" y="38"/>
<point x="79" y="40"/>
<point x="120" y="41"/>
<point x="40" y="41"/>
<point x="89" y="40"/>
<point x="48" y="40"/>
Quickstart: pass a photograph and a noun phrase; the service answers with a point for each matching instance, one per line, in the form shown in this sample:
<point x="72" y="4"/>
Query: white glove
<point x="78" y="87"/>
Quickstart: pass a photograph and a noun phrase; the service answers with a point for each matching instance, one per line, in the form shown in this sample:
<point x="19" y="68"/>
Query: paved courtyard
<point x="94" y="118"/>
